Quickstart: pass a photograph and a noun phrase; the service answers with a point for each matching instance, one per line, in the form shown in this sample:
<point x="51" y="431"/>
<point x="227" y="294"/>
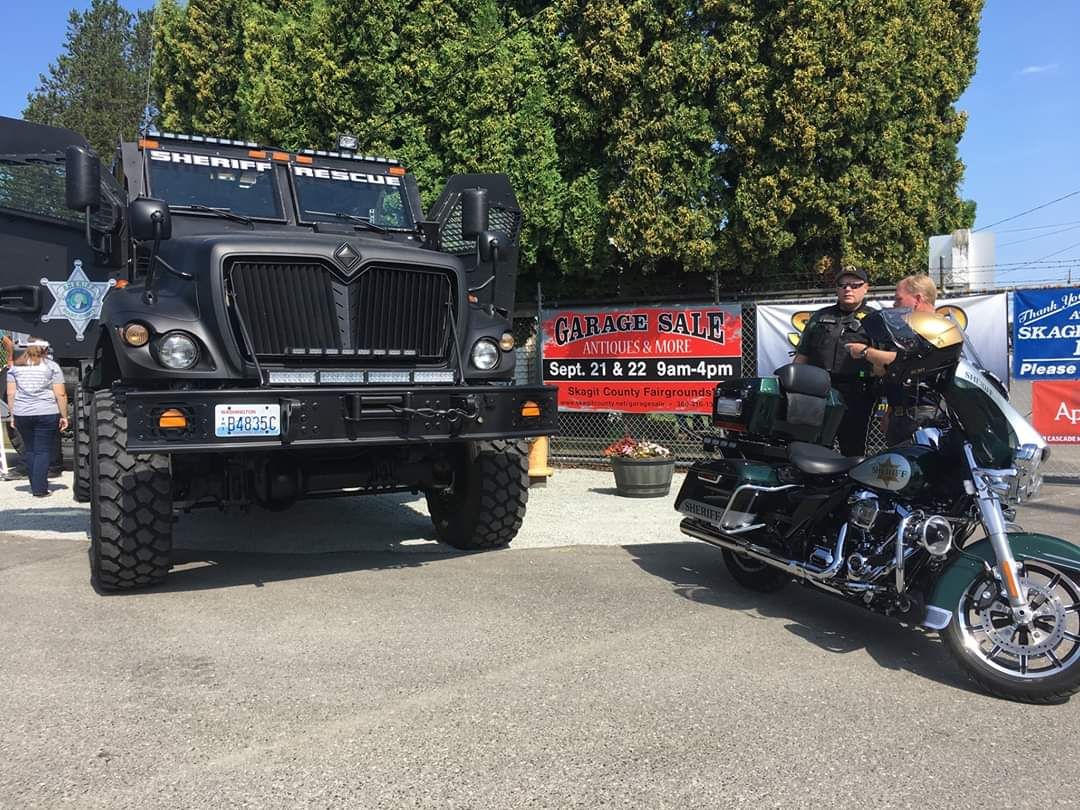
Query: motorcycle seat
<point x="813" y="459"/>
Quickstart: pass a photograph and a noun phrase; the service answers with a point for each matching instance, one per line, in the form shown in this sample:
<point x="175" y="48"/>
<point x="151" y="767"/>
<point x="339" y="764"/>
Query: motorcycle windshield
<point x="993" y="426"/>
<point x="894" y="328"/>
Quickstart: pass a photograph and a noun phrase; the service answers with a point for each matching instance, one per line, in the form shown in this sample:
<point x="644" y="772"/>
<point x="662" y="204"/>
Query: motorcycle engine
<point x="871" y="536"/>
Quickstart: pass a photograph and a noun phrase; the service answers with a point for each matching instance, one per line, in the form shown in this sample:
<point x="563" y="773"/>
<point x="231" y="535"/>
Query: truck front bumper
<point x="339" y="417"/>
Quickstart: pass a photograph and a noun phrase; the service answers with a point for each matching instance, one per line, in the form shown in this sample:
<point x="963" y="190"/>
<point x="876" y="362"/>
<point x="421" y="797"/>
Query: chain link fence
<point x="583" y="435"/>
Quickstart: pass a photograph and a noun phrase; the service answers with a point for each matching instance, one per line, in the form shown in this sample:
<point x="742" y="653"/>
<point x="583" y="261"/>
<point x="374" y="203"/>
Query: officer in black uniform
<point x="824" y="344"/>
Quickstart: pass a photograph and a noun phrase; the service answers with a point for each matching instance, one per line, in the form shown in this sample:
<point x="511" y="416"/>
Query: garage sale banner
<point x="641" y="359"/>
<point x="983" y="317"/>
<point x="1046" y="334"/>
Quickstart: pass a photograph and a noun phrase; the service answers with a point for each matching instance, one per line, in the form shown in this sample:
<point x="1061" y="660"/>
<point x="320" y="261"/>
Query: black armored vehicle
<point x="248" y="324"/>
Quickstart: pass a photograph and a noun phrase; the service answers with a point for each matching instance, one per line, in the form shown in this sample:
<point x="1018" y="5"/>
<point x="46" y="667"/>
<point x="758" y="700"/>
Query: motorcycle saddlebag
<point x="796" y="405"/>
<point x="711" y="491"/>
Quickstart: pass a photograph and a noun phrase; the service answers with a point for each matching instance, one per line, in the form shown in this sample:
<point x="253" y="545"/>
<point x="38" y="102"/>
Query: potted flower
<point x="642" y="469"/>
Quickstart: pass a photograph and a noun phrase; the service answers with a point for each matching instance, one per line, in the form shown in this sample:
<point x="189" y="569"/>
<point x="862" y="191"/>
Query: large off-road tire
<point x="81" y="450"/>
<point x="130" y="505"/>
<point x="753" y="574"/>
<point x="1038" y="663"/>
<point x="486" y="504"/>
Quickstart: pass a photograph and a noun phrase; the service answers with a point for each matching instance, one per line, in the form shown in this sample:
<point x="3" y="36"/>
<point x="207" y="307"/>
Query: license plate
<point x="247" y="420"/>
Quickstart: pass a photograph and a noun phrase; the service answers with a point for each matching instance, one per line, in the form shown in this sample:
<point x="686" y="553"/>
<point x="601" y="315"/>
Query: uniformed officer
<point x="824" y="344"/>
<point x="910" y="407"/>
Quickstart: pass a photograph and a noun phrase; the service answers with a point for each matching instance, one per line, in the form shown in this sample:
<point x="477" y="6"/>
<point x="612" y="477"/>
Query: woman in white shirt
<point x="37" y="401"/>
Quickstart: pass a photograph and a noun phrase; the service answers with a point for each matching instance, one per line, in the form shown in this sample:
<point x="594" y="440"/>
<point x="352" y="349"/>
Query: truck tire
<point x="130" y="506"/>
<point x="486" y="504"/>
<point x="81" y="449"/>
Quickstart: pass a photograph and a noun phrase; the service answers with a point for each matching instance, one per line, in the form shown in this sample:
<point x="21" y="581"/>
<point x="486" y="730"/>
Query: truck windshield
<point x="239" y="185"/>
<point x="328" y="195"/>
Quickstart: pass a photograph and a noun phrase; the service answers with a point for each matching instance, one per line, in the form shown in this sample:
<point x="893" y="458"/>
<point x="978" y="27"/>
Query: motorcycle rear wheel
<point x="754" y="574"/>
<point x="1035" y="663"/>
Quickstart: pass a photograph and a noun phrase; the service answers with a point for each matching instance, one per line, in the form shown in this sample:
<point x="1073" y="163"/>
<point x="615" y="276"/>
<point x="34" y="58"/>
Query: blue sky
<point x="1022" y="146"/>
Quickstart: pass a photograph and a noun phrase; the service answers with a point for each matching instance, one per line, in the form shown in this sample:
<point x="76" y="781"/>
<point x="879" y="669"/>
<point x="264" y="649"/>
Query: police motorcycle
<point x="923" y="531"/>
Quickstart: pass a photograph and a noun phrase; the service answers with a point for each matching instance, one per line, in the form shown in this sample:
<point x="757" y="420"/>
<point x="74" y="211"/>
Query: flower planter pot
<point x="643" y="477"/>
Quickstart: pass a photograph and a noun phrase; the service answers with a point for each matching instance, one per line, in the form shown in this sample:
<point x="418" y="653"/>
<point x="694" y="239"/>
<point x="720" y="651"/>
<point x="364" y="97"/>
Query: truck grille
<point x="300" y="307"/>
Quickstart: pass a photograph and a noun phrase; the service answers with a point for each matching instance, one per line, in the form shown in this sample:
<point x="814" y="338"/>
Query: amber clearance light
<point x="135" y="334"/>
<point x="530" y="409"/>
<point x="172" y="419"/>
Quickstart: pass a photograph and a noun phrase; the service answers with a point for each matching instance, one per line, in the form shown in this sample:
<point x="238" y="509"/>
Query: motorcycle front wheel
<point x="1034" y="663"/>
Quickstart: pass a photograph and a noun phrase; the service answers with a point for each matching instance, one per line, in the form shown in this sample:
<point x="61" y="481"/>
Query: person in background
<point x="908" y="409"/>
<point x="825" y="343"/>
<point x="37" y="401"/>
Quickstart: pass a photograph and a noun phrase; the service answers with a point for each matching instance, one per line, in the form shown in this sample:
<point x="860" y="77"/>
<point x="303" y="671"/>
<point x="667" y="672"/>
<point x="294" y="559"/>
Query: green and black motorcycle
<point x="923" y="531"/>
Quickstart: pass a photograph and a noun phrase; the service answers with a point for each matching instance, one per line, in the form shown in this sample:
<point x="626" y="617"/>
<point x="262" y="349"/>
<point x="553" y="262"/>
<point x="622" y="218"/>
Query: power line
<point x="1056" y="252"/>
<point x="1040" y="227"/>
<point x="1025" y="213"/>
<point x="1040" y="236"/>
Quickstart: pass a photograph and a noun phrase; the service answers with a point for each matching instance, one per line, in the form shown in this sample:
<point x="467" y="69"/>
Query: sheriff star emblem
<point x="887" y="472"/>
<point x="78" y="300"/>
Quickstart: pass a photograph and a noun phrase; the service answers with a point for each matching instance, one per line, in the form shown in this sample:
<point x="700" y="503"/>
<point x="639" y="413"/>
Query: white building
<point x="962" y="260"/>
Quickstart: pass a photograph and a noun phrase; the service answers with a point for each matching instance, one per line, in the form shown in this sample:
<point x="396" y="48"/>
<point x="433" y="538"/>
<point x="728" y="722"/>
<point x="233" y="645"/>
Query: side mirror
<point x="149" y="219"/>
<point x="474" y="213"/>
<point x="82" y="179"/>
<point x="488" y="244"/>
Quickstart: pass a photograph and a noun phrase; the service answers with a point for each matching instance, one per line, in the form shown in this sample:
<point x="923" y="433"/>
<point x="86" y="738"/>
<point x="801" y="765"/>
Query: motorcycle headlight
<point x="1027" y="460"/>
<point x="485" y="354"/>
<point x="177" y="350"/>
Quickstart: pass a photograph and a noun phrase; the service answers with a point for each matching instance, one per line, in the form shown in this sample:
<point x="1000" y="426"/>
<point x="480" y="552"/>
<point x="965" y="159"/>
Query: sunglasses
<point x="850" y="285"/>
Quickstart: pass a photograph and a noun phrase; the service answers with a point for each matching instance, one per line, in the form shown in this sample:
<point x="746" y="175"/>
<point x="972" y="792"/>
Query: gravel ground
<point x="577" y="507"/>
<point x="594" y="515"/>
<point x="601" y="662"/>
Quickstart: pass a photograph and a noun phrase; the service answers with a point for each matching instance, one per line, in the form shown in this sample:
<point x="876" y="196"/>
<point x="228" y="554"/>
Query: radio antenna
<point x="149" y="72"/>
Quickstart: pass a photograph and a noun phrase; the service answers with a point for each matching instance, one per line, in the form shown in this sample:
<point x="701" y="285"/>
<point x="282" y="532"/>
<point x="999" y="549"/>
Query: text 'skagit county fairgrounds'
<point x="242" y="324"/>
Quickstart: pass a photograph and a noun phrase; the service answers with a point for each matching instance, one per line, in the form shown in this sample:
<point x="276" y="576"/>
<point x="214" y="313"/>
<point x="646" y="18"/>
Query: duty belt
<point x="913" y="412"/>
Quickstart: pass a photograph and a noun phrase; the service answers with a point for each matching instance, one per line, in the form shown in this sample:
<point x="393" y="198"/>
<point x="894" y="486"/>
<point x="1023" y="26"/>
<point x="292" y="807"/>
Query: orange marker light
<point x="280" y="155"/>
<point x="397" y="171"/>
<point x="303" y="159"/>
<point x="530" y="409"/>
<point x="146" y="143"/>
<point x="121" y="283"/>
<point x="258" y="154"/>
<point x="172" y="419"/>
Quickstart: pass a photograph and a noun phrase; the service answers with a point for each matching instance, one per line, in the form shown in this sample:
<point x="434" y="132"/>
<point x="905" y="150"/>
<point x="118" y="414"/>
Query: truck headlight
<point x="177" y="350"/>
<point x="485" y="354"/>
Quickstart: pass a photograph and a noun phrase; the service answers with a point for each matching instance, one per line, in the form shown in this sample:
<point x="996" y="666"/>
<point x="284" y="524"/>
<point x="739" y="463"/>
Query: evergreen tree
<point x="839" y="133"/>
<point x="652" y="143"/>
<point x="98" y="86"/>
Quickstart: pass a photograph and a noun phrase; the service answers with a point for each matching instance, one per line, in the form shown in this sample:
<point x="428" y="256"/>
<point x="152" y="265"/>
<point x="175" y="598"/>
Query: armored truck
<point x="249" y="325"/>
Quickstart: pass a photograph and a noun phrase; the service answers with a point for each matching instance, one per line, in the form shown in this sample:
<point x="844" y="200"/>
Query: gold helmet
<point x="938" y="331"/>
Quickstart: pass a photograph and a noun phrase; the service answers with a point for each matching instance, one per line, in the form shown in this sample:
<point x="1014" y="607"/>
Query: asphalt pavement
<point x="336" y="656"/>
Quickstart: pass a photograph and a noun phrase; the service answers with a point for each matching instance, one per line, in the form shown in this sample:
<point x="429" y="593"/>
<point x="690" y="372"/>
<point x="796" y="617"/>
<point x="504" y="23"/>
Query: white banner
<point x="983" y="317"/>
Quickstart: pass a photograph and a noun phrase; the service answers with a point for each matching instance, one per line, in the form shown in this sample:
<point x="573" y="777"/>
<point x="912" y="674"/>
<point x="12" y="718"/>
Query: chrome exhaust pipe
<point x="762" y="554"/>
